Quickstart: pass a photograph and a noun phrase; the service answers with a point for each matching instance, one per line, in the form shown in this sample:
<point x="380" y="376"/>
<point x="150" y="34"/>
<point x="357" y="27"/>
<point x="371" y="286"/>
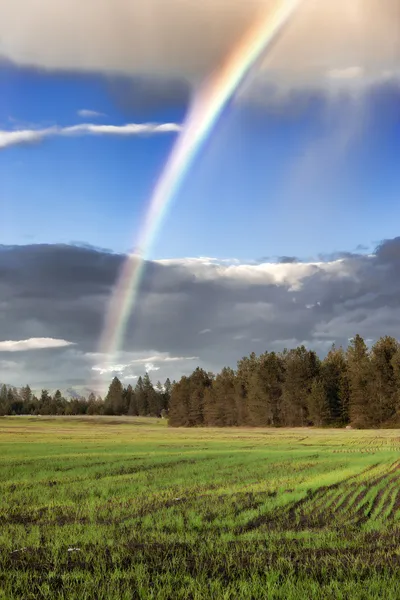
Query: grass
<point x="128" y="508"/>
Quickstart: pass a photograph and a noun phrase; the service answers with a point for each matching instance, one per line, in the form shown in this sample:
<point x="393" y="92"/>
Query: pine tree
<point x="26" y="395"/>
<point x="318" y="404"/>
<point x="245" y="368"/>
<point x="167" y="393"/>
<point x="384" y="381"/>
<point x="57" y="405"/>
<point x="334" y="377"/>
<point x="224" y="387"/>
<point x="301" y="366"/>
<point x="179" y="404"/>
<point x="210" y="409"/>
<point x="130" y="401"/>
<point x="199" y="381"/>
<point x="141" y="398"/>
<point x="359" y="371"/>
<point x="152" y="399"/>
<point x="265" y="391"/>
<point x="4" y="408"/>
<point x="92" y="404"/>
<point x="114" y="401"/>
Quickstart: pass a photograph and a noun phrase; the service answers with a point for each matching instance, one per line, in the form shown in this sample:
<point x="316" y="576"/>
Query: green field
<point x="109" y="508"/>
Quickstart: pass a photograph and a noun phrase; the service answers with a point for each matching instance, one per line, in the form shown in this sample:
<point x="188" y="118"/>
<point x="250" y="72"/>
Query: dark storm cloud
<point x="61" y="292"/>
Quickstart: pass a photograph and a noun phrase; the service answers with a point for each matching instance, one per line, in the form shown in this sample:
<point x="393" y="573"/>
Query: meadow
<point x="107" y="508"/>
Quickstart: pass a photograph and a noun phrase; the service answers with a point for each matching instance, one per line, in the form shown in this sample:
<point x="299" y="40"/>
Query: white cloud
<point x="283" y="274"/>
<point x="29" y="136"/>
<point x="167" y="37"/>
<point x="162" y="357"/>
<point x="23" y="136"/>
<point x="103" y="369"/>
<point x="203" y="331"/>
<point x="148" y="361"/>
<point x="151" y="367"/>
<point x="89" y="114"/>
<point x="32" y="344"/>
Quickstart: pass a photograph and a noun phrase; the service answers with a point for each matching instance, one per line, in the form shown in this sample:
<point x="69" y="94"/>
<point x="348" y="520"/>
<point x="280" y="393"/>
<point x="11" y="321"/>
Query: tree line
<point x="355" y="386"/>
<point x="142" y="400"/>
<point x="294" y="388"/>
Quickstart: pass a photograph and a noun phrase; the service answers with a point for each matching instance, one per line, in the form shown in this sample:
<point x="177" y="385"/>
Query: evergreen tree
<point x="130" y="401"/>
<point x="114" y="401"/>
<point x="199" y="381"/>
<point x="92" y="404"/>
<point x="384" y="381"/>
<point x="27" y="399"/>
<point x="141" y="398"/>
<point x="4" y="407"/>
<point x="153" y="401"/>
<point x="211" y="412"/>
<point x="334" y="378"/>
<point x="265" y="391"/>
<point x="245" y="368"/>
<point x="301" y="366"/>
<point x="225" y="387"/>
<point x="359" y="372"/>
<point x="45" y="403"/>
<point x="167" y="393"/>
<point x="179" y="404"/>
<point x="318" y="404"/>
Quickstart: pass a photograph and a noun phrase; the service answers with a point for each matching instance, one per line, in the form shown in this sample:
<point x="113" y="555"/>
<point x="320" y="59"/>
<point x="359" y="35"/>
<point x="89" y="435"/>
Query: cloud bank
<point x="329" y="43"/>
<point x="61" y="292"/>
<point x="31" y="136"/>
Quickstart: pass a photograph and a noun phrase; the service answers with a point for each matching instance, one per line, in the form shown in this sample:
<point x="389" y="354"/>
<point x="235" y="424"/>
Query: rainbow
<point x="202" y="117"/>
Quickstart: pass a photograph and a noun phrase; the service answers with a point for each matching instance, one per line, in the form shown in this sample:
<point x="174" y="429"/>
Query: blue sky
<point x="265" y="184"/>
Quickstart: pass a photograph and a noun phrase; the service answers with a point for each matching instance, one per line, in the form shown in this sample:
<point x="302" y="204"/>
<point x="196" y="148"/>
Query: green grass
<point x="109" y="508"/>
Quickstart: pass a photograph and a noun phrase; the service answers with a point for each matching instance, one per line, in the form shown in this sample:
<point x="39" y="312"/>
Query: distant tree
<point x="153" y="399"/>
<point x="45" y="403"/>
<point x="4" y="407"/>
<point x="27" y="399"/>
<point x="384" y="383"/>
<point x="318" y="405"/>
<point x="265" y="391"/>
<point x="179" y="404"/>
<point x="220" y="407"/>
<point x="360" y="383"/>
<point x="58" y="404"/>
<point x="335" y="380"/>
<point x="114" y="401"/>
<point x="167" y="393"/>
<point x="245" y="368"/>
<point x="199" y="381"/>
<point x="141" y="398"/>
<point x="95" y="406"/>
<point x="301" y="367"/>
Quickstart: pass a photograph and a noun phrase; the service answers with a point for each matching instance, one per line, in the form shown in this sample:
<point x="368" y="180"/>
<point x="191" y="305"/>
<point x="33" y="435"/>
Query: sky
<point x="284" y="228"/>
